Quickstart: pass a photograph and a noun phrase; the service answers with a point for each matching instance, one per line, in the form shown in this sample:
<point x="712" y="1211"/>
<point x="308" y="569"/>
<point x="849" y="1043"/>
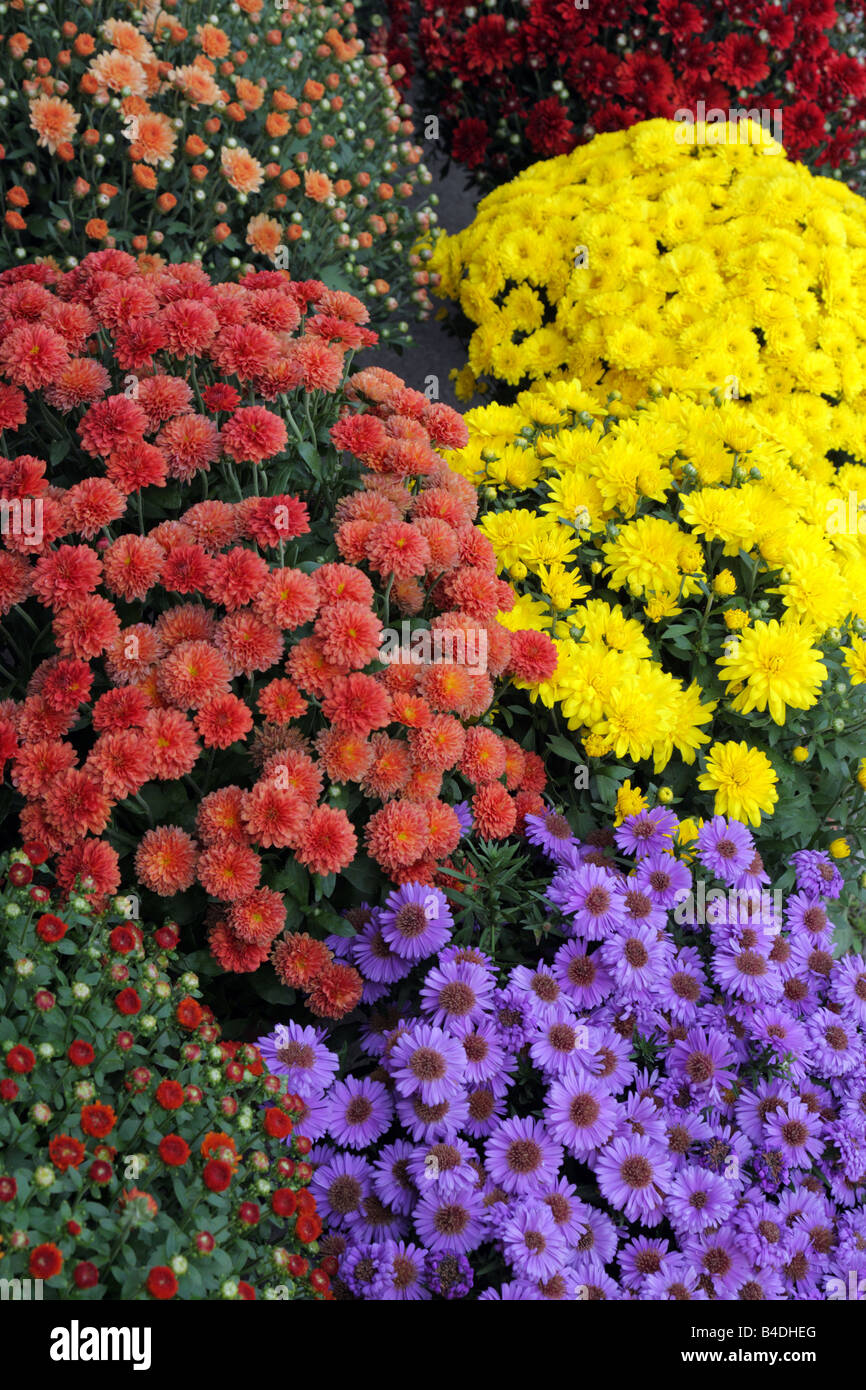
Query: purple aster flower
<point x="755" y="877"/>
<point x="541" y="988"/>
<point x="340" y="1186"/>
<point x="456" y="993"/>
<point x="762" y="1230"/>
<point x="611" y="1062"/>
<point x="533" y="1245"/>
<point x="374" y="957"/>
<point x="684" y="1131"/>
<point x="704" y="1060"/>
<point x="592" y="1283"/>
<point x="484" y="1049"/>
<point x="580" y="1113"/>
<point x="551" y="832"/>
<point x="806" y="913"/>
<point x="848" y="986"/>
<point x="804" y="1267"/>
<point x="640" y="910"/>
<point x="361" y="1270"/>
<point x="427" y="1060"/>
<point x="371" y="993"/>
<point x="449" y="1276"/>
<point x="339" y="946"/>
<point x="416" y="920"/>
<point x="427" y="1123"/>
<point x="786" y="1038"/>
<point x="754" y="1107"/>
<point x="379" y="1222"/>
<point x="403" y="1273"/>
<point x="600" y="1239"/>
<point x="562" y="1044"/>
<point x="836" y="1044"/>
<point x="390" y="1177"/>
<point x="452" y="1225"/>
<point x="797" y="1133"/>
<point x="446" y="1168"/>
<point x="676" y="1280"/>
<point x="682" y="985"/>
<point x="634" y="1175"/>
<point x="513" y="1017"/>
<point x="374" y="1034"/>
<point x="816" y="873"/>
<point x="639" y="1114"/>
<point x="485" y="1103"/>
<point x="636" y="957"/>
<point x="517" y="1292"/>
<point x="312" y="1122"/>
<point x="698" y="1199"/>
<point x="358" y="1111"/>
<point x="584" y="978"/>
<point x="463" y="813"/>
<point x="468" y="955"/>
<point x="762" y="1282"/>
<point x="718" y="1256"/>
<point x="725" y="848"/>
<point x="521" y="1156"/>
<point x="646" y="832"/>
<point x="588" y="896"/>
<point x="662" y="878"/>
<point x="299" y="1054"/>
<point x="567" y="1210"/>
<point x="748" y="973"/>
<point x="640" y="1258"/>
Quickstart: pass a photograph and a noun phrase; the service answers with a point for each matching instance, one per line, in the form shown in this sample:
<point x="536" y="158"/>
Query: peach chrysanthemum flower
<point x="265" y="235"/>
<point x="328" y="842"/>
<point x="228" y="871"/>
<point x="223" y="720"/>
<point x="288" y="598"/>
<point x="258" y="918"/>
<point x="80" y="382"/>
<point x="165" y="860"/>
<point x="153" y="138"/>
<point x="118" y="72"/>
<point x="212" y="41"/>
<point x="273" y="816"/>
<point x="121" y="762"/>
<point x="196" y="85"/>
<point x="242" y="171"/>
<point x="54" y="121"/>
<point x="127" y="39"/>
<point x="219" y="817"/>
<point x="317" y="186"/>
<point x="175" y="746"/>
<point x="193" y="673"/>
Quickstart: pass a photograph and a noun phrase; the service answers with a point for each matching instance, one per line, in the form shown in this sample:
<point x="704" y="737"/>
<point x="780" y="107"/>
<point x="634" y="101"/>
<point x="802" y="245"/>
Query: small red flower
<point x="8" y="1089"/>
<point x="217" y="1175"/>
<point x="122" y="940"/>
<point x="249" y="1214"/>
<point x="51" y="928"/>
<point x="8" y="1189"/>
<point x="173" y="1150"/>
<point x="246" y="1291"/>
<point x="36" y="852"/>
<point x="170" y="1095"/>
<point x="85" y="1275"/>
<point x="167" y="937"/>
<point x="20" y="875"/>
<point x="20" y="1059"/>
<point x="277" y="1124"/>
<point x="308" y="1229"/>
<point x="161" y="1282"/>
<point x="127" y="1002"/>
<point x="66" y="1152"/>
<point x="283" y="1202"/>
<point x="189" y="1012"/>
<point x="204" y="1242"/>
<point x="80" y="1053"/>
<point x="97" y="1120"/>
<point x="45" y="1261"/>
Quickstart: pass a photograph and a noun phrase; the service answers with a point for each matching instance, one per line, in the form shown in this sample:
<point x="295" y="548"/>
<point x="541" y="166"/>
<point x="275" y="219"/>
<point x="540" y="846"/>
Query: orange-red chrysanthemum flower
<point x="494" y="812"/>
<point x="345" y="756"/>
<point x="229" y="871"/>
<point x="240" y="957"/>
<point x="175" y="746"/>
<point x="280" y="701"/>
<point x="437" y="744"/>
<point x="76" y="804"/>
<point x="54" y="121"/>
<point x="223" y="720"/>
<point x="32" y="355"/>
<point x="259" y="917"/>
<point x="349" y="633"/>
<point x="219" y="817"/>
<point x="132" y="565"/>
<point x="483" y="757"/>
<point x="121" y="761"/>
<point x="274" y="815"/>
<point x="288" y="598"/>
<point x="248" y="643"/>
<point x="299" y="959"/>
<point x="193" y="673"/>
<point x="357" y="703"/>
<point x="237" y="578"/>
<point x="397" y="834"/>
<point x="165" y="860"/>
<point x="86" y="626"/>
<point x="328" y="843"/>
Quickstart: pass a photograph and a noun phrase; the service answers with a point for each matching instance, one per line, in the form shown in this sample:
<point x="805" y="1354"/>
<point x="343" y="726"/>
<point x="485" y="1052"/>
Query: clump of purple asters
<point x="644" y="1105"/>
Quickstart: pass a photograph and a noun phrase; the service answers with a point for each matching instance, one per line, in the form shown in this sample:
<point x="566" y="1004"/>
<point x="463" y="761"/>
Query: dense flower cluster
<point x="703" y="576"/>
<point x="519" y="80"/>
<point x="287" y="145"/>
<point x="668" y="1104"/>
<point x="643" y="259"/>
<point x="168" y="645"/>
<point x="142" y="1157"/>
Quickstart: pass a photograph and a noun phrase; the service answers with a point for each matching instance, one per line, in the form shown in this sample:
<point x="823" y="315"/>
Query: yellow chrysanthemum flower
<point x="743" y="780"/>
<point x="777" y="665"/>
